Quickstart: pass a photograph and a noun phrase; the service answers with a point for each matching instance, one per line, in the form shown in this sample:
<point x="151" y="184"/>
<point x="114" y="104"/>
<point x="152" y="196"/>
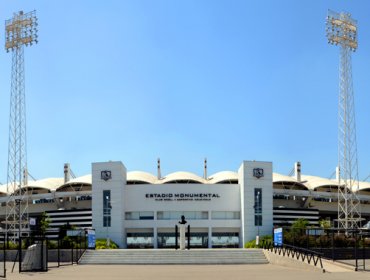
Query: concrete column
<point x="182" y="237"/>
<point x="109" y="176"/>
<point x="255" y="175"/>
<point x="155" y="238"/>
<point x="209" y="237"/>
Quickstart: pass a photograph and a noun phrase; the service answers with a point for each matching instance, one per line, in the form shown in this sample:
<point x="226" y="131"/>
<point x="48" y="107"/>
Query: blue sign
<point x="278" y="237"/>
<point x="91" y="239"/>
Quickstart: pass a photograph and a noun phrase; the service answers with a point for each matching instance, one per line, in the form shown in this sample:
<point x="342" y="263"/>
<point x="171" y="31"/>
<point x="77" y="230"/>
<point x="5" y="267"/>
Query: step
<point x="166" y="256"/>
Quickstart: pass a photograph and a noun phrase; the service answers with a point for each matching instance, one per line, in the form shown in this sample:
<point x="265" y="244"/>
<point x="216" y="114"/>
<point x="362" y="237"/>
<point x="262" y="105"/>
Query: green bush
<point x="102" y="244"/>
<point x="52" y="244"/>
<point x="252" y="243"/>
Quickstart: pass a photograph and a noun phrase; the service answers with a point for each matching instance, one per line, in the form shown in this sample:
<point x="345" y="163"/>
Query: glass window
<point x="225" y="215"/>
<point x="225" y="240"/>
<point x="258" y="220"/>
<point x="258" y="207"/>
<point x="107" y="208"/>
<point x="176" y="215"/>
<point x="145" y="215"/>
<point x="106" y="221"/>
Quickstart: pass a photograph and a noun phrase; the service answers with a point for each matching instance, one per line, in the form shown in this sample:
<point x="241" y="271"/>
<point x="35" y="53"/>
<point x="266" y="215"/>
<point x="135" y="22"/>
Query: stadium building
<point x="140" y="210"/>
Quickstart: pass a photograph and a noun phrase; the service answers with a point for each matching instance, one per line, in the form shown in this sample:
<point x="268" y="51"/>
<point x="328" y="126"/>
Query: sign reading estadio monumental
<point x="182" y="196"/>
<point x="172" y="197"/>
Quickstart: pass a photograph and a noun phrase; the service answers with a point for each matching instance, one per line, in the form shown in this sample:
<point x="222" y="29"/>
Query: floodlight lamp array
<point x="21" y="30"/>
<point x="341" y="29"/>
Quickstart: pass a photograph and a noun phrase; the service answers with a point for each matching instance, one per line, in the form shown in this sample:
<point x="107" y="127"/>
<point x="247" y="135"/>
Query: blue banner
<point x="91" y="239"/>
<point x="278" y="237"/>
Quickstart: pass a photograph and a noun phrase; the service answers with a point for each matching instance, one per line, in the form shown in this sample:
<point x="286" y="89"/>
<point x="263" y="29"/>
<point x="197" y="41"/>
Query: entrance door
<point x="225" y="240"/>
<point x="139" y="240"/>
<point x="198" y="239"/>
<point x="167" y="240"/>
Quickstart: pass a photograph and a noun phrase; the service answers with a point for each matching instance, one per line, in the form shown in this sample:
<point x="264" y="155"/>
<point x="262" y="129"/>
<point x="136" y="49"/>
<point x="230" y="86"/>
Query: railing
<point x="351" y="246"/>
<point x="3" y="263"/>
<point x="294" y="252"/>
<point x="50" y="250"/>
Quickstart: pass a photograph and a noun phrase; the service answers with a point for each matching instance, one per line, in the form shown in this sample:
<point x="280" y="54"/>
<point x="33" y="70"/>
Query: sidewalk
<point x="182" y="272"/>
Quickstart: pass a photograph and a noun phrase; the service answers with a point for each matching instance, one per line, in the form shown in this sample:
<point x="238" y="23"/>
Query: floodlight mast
<point x="341" y="30"/>
<point x="20" y="31"/>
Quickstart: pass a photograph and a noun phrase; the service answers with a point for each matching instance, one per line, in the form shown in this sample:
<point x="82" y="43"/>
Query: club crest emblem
<point x="106" y="175"/>
<point x="258" y="172"/>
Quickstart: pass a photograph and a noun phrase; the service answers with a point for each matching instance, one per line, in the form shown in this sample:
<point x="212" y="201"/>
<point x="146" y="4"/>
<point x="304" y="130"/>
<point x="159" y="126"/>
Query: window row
<point x="176" y="215"/>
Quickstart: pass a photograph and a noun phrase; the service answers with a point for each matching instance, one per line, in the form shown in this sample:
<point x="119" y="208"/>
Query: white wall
<point x="247" y="184"/>
<point x="228" y="200"/>
<point x="116" y="186"/>
<point x="229" y="197"/>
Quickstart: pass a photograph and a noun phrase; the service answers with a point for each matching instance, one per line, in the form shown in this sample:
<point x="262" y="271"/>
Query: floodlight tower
<point x="20" y="31"/>
<point x="341" y="30"/>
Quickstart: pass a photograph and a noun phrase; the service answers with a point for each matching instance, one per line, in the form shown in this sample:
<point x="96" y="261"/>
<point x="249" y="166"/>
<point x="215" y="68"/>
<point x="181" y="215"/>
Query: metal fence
<point x="298" y="253"/>
<point x="39" y="252"/>
<point x="33" y="254"/>
<point x="351" y="246"/>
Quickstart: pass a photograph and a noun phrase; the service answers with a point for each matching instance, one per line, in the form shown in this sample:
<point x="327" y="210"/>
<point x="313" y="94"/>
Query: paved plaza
<point x="180" y="272"/>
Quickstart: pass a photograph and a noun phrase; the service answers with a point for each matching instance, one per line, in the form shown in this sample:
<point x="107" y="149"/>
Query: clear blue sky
<point x="183" y="80"/>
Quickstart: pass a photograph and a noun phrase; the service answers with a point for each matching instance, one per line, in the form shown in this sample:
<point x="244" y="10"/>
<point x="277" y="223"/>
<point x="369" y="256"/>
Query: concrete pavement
<point x="182" y="272"/>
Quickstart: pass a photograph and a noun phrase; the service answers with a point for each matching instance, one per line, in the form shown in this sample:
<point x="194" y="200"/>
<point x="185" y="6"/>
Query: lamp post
<point x="20" y="31"/>
<point x="258" y="219"/>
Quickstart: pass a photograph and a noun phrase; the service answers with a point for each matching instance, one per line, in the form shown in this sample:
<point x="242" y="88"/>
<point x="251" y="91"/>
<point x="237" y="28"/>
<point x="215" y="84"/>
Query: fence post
<point x="42" y="254"/>
<point x="307" y="238"/>
<point x="188" y="237"/>
<point x="332" y="245"/>
<point x="363" y="251"/>
<point x="72" y="251"/>
<point x="4" y="253"/>
<point x="176" y="233"/>
<point x="20" y="253"/>
<point x="58" y="250"/>
<point x="356" y="258"/>
<point x="47" y="254"/>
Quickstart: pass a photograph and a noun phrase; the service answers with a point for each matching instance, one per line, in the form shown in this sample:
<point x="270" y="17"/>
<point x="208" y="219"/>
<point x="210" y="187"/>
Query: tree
<point x="325" y="224"/>
<point x="299" y="226"/>
<point x="44" y="223"/>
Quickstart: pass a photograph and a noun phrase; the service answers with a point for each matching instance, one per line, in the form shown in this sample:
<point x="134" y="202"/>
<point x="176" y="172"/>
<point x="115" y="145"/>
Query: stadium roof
<point x="229" y="177"/>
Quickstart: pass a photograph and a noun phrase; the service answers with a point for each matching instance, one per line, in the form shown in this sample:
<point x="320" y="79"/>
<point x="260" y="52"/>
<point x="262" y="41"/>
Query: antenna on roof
<point x="205" y="169"/>
<point x="68" y="173"/>
<point x="297" y="171"/>
<point x="159" y="176"/>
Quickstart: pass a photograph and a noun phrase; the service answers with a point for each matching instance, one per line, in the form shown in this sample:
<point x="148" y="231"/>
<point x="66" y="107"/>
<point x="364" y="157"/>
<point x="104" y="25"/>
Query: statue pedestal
<point x="182" y="236"/>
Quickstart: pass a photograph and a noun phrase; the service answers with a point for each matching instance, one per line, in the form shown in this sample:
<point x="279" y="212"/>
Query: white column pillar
<point x="209" y="237"/>
<point x="155" y="238"/>
<point x="182" y="237"/>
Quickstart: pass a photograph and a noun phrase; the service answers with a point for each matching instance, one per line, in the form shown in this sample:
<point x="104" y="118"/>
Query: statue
<point x="182" y="232"/>
<point x="183" y="221"/>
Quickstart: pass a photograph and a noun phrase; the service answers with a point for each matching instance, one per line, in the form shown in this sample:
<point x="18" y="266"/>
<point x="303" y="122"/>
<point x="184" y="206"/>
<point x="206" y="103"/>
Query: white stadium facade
<point x="140" y="210"/>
